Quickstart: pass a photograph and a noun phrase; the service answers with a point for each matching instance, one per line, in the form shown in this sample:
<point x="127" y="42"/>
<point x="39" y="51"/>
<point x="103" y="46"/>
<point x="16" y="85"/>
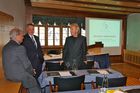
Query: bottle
<point x="67" y="65"/>
<point x="104" y="84"/>
<point x="105" y="81"/>
<point x="74" y="65"/>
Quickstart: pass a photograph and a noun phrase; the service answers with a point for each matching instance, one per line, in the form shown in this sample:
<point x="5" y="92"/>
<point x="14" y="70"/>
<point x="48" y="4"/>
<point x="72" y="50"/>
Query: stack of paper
<point x="102" y="71"/>
<point x="65" y="73"/>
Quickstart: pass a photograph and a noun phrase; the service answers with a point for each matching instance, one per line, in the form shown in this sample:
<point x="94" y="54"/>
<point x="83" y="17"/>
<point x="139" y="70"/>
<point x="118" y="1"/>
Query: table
<point x="44" y="78"/>
<point x="97" y="91"/>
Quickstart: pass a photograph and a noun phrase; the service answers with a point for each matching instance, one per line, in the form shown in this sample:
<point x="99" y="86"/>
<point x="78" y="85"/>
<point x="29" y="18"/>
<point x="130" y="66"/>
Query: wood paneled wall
<point x="132" y="57"/>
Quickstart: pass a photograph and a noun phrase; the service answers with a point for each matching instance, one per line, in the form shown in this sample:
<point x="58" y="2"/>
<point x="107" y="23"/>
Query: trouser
<point x="38" y="70"/>
<point x="70" y="65"/>
<point x="34" y="90"/>
<point x="30" y="82"/>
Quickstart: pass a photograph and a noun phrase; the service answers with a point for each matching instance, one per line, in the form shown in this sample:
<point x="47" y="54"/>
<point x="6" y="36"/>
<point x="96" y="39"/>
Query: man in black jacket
<point x="33" y="48"/>
<point x="75" y="49"/>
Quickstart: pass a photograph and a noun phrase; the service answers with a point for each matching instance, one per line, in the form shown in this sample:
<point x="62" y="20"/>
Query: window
<point x="55" y="35"/>
<point x="83" y="32"/>
<point x="40" y="32"/>
<point x="42" y="35"/>
<point x="50" y="36"/>
<point x="65" y="33"/>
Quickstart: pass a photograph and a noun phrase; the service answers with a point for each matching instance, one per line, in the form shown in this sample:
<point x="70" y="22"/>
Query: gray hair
<point x="77" y="27"/>
<point x="14" y="32"/>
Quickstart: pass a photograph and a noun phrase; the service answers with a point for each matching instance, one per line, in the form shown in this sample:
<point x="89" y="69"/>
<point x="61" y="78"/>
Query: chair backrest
<point x="133" y="91"/>
<point x="112" y="82"/>
<point x="53" y="66"/>
<point x="103" y="60"/>
<point x="54" y="51"/>
<point x="69" y="83"/>
<point x="90" y="64"/>
<point x="90" y="57"/>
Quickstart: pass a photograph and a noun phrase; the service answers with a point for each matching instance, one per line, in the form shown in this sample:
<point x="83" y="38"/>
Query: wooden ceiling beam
<point x="66" y="7"/>
<point x="136" y="1"/>
<point x="74" y="13"/>
<point x="111" y="3"/>
<point x="57" y="4"/>
<point x="109" y="6"/>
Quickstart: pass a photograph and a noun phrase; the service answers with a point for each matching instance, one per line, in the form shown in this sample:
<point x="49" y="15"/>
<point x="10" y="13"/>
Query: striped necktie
<point x="33" y="40"/>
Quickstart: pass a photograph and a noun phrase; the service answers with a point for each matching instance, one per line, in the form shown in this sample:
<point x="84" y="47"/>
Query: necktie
<point x="32" y="37"/>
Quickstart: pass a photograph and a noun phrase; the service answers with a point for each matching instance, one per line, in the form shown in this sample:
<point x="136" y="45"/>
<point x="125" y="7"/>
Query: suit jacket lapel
<point x="29" y="38"/>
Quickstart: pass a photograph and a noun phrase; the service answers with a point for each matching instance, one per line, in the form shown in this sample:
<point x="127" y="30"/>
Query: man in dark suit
<point x="16" y="64"/>
<point x="33" y="48"/>
<point x="75" y="49"/>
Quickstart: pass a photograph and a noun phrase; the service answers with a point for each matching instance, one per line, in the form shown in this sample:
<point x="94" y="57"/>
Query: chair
<point x="103" y="60"/>
<point x="22" y="89"/>
<point x="53" y="66"/>
<point x="112" y="82"/>
<point x="90" y="57"/>
<point x="68" y="83"/>
<point x="53" y="51"/>
<point x="133" y="91"/>
<point x="90" y="64"/>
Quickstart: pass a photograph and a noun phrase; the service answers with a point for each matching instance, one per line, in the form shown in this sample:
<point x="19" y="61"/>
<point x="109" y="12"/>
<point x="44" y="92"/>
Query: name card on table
<point x="101" y="71"/>
<point x="65" y="73"/>
<point x="53" y="74"/>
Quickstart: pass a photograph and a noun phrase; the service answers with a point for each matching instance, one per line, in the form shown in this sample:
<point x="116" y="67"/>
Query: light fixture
<point x="39" y="23"/>
<point x="68" y="24"/>
<point x="54" y="24"/>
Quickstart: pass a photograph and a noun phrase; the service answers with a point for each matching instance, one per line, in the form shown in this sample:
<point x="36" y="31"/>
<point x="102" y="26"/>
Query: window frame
<point x="61" y="34"/>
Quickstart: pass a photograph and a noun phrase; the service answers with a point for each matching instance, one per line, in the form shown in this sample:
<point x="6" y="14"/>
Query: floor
<point x="132" y="72"/>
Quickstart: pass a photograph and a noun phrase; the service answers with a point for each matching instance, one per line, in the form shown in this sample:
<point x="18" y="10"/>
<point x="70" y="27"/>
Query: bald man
<point x="75" y="49"/>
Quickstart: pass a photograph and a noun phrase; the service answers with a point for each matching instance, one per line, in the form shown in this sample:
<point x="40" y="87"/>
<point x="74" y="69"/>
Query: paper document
<point x="65" y="73"/>
<point x="102" y="71"/>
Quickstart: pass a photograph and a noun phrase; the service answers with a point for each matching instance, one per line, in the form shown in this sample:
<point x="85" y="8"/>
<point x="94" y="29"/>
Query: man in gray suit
<point x="16" y="65"/>
<point x="75" y="49"/>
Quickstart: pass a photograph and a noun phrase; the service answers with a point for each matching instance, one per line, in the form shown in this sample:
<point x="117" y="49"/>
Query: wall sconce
<point x="68" y="24"/>
<point x="54" y="24"/>
<point x="39" y="23"/>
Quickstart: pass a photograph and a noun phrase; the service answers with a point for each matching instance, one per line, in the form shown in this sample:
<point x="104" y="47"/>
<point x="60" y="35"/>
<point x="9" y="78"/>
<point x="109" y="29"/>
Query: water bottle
<point x="74" y="65"/>
<point x="67" y="65"/>
<point x="105" y="81"/>
<point x="104" y="84"/>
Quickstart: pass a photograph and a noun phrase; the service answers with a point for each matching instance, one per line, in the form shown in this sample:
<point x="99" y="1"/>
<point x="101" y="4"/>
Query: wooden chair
<point x="53" y="66"/>
<point x="22" y="89"/>
<point x="103" y="60"/>
<point x="93" y="85"/>
<point x="67" y="83"/>
<point x="112" y="82"/>
<point x="90" y="64"/>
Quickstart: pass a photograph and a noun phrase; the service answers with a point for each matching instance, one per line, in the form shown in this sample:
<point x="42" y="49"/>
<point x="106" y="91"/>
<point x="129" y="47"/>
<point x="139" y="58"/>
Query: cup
<point x="102" y="90"/>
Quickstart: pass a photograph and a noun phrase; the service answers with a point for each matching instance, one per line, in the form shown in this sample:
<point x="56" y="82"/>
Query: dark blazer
<point x="16" y="64"/>
<point x="75" y="50"/>
<point x="34" y="54"/>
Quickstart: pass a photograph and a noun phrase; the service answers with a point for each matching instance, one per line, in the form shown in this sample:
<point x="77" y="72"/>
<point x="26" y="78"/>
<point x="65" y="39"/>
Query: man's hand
<point x="85" y="62"/>
<point x="61" y="62"/>
<point x="34" y="72"/>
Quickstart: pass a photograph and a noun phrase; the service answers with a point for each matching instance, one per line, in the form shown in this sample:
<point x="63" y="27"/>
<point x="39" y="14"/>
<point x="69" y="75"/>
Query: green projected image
<point x="107" y="31"/>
